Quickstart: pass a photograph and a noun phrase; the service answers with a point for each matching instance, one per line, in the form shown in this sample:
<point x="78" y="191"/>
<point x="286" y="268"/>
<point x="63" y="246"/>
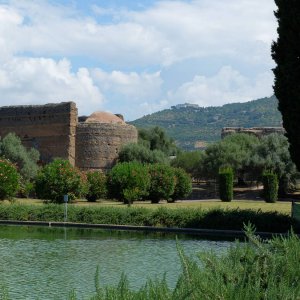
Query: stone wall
<point x="98" y="144"/>
<point x="49" y="128"/>
<point x="257" y="131"/>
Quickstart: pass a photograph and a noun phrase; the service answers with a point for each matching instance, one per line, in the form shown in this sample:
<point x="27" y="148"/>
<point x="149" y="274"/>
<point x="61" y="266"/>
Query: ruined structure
<point x="99" y="139"/>
<point x="257" y="131"/>
<point x="53" y="129"/>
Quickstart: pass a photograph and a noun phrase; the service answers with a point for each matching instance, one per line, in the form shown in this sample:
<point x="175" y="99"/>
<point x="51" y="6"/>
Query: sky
<point x="135" y="57"/>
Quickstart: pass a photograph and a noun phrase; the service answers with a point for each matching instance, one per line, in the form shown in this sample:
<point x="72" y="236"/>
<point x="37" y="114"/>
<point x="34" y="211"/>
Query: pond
<point x="47" y="263"/>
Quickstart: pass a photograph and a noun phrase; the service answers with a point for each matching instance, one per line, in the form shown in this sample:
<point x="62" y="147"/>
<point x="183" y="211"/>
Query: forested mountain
<point x="192" y="126"/>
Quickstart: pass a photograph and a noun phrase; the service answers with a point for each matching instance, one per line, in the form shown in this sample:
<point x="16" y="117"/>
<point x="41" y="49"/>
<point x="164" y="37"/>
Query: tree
<point x="140" y="153"/>
<point x="272" y="154"/>
<point x="128" y="181"/>
<point x="97" y="185"/>
<point x="60" y="178"/>
<point x="188" y="161"/>
<point x="162" y="182"/>
<point x="26" y="160"/>
<point x="286" y="54"/>
<point x="9" y="179"/>
<point x="183" y="185"/>
<point x="156" y="138"/>
<point x="234" y="150"/>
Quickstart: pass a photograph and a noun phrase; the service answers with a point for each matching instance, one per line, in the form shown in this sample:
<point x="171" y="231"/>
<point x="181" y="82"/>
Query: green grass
<point x="280" y="207"/>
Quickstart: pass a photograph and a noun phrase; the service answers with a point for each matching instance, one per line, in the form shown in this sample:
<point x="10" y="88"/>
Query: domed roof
<point x="104" y="117"/>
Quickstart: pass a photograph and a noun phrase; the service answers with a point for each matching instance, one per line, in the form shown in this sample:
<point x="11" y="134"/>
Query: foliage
<point x="234" y="150"/>
<point x="270" y="182"/>
<point x="162" y="184"/>
<point x="9" y="179"/>
<point x="26" y="189"/>
<point x="190" y="125"/>
<point x="97" y="186"/>
<point x="142" y="154"/>
<point x="155" y="138"/>
<point x="128" y="181"/>
<point x="183" y="185"/>
<point x="272" y="153"/>
<point x="26" y="160"/>
<point x="285" y="52"/>
<point x="217" y="218"/>
<point x="188" y="161"/>
<point x="249" y="157"/>
<point x="250" y="271"/>
<point x="60" y="178"/>
<point x="226" y="184"/>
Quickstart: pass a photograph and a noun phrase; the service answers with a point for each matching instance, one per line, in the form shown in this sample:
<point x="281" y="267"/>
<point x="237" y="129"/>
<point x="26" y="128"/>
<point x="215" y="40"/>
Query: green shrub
<point x="26" y="189"/>
<point x="128" y="181"/>
<point x="97" y="186"/>
<point x="226" y="184"/>
<point x="60" y="178"/>
<point x="9" y="179"/>
<point x="183" y="184"/>
<point x="162" y="182"/>
<point x="26" y="160"/>
<point x="249" y="271"/>
<point x="142" y="154"/>
<point x="270" y="183"/>
<point x="230" y="219"/>
<point x="190" y="161"/>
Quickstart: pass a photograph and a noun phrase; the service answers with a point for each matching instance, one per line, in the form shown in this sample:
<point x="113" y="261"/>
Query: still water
<point x="47" y="263"/>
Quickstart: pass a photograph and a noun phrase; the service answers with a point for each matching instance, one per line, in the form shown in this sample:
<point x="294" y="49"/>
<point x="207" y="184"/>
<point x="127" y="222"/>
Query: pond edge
<point x="190" y="231"/>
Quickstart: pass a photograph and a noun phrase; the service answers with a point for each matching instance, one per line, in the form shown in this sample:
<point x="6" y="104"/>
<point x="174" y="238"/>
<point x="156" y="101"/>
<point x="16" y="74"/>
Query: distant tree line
<point x="247" y="155"/>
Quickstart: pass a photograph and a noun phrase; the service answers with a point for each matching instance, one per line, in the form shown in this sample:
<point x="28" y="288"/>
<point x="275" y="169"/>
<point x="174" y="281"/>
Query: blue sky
<point x="135" y="57"/>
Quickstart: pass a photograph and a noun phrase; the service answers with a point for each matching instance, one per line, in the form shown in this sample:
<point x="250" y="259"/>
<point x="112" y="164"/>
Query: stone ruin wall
<point x="49" y="128"/>
<point x="98" y="144"/>
<point x="257" y="131"/>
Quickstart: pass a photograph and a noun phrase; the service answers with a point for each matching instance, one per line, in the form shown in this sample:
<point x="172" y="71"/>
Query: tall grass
<point x="232" y="219"/>
<point x="249" y="271"/>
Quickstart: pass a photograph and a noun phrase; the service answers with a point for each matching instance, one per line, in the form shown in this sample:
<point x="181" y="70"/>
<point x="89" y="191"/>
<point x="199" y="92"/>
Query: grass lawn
<point x="282" y="207"/>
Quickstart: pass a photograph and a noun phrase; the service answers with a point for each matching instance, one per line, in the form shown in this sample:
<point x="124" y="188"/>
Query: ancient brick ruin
<point x="53" y="129"/>
<point x="257" y="131"/>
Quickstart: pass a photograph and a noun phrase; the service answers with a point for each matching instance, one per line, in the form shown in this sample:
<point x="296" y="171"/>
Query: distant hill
<point x="193" y="127"/>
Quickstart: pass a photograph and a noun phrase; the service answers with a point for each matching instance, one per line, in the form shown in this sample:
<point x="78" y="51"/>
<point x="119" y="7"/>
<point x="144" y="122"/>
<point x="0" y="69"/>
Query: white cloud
<point x="115" y="58"/>
<point x="41" y="80"/>
<point x="228" y="85"/>
<point x="167" y="32"/>
<point x="130" y="85"/>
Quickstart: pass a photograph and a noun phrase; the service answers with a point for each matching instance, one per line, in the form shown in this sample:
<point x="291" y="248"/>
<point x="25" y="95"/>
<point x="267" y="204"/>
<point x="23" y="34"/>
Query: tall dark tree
<point x="286" y="54"/>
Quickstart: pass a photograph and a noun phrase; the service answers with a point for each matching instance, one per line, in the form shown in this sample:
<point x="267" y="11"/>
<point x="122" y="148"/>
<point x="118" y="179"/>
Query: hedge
<point x="163" y="217"/>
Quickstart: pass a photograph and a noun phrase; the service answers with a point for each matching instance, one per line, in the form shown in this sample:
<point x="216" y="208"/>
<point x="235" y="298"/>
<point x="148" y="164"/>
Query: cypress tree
<point x="286" y="54"/>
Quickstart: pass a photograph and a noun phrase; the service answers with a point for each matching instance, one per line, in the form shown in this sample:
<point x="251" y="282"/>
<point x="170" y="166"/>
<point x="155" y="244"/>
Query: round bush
<point x="128" y="181"/>
<point x="162" y="182"/>
<point x="97" y="186"/>
<point x="183" y="185"/>
<point x="60" y="178"/>
<point x="9" y="179"/>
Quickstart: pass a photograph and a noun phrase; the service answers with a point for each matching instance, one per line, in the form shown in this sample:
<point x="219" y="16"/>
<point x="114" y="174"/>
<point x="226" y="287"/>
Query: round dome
<point x="104" y="117"/>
